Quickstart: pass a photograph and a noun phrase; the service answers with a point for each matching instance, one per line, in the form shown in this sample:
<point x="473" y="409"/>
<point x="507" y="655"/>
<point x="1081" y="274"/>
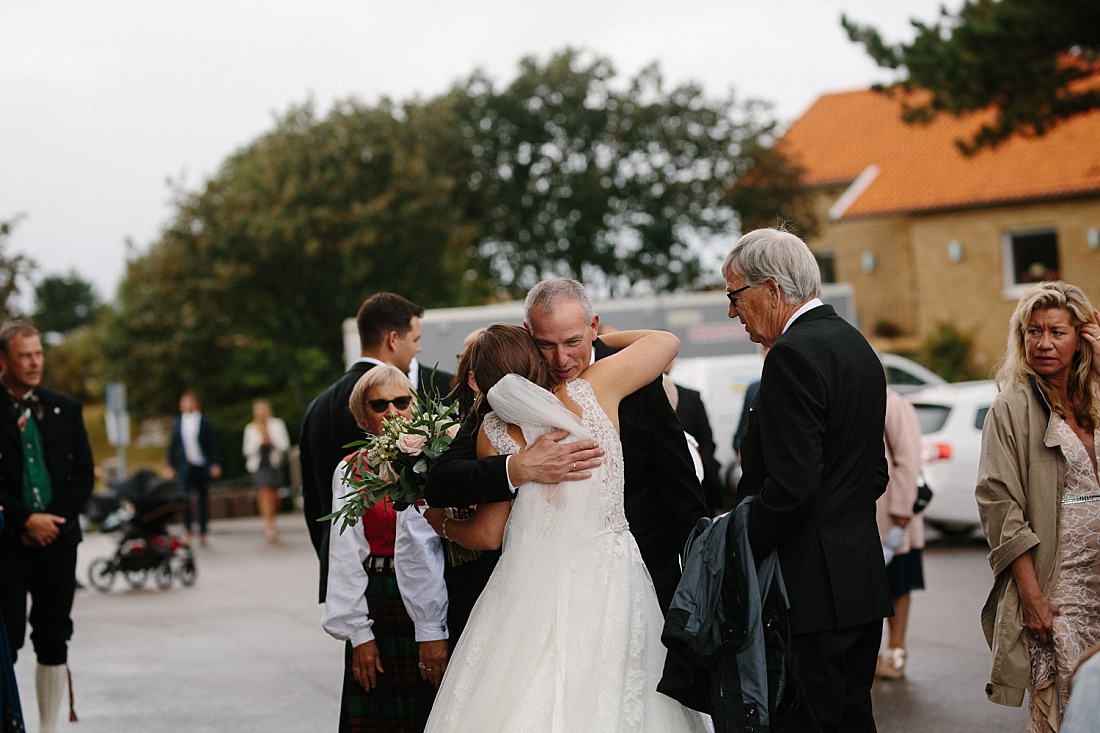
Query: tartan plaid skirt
<point x="402" y="701"/>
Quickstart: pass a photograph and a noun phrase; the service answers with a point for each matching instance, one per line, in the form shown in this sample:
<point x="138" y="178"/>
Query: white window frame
<point x="1012" y="290"/>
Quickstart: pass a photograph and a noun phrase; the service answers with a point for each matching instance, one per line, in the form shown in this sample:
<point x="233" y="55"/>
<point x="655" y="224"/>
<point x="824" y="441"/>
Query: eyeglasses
<point x="399" y="403"/>
<point x="732" y="294"/>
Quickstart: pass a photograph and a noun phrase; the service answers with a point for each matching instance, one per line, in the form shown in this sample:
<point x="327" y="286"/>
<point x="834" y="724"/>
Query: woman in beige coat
<point x="1038" y="494"/>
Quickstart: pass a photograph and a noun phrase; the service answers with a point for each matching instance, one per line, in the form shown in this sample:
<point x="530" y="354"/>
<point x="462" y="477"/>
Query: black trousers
<point x="195" y="480"/>
<point x="835" y="670"/>
<point x="48" y="576"/>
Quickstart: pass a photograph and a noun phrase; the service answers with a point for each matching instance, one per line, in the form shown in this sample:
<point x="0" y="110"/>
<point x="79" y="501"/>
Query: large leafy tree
<point x="63" y="303"/>
<point x="15" y="272"/>
<point x="283" y="244"/>
<point x="469" y="196"/>
<point x="1034" y="61"/>
<point x="617" y="184"/>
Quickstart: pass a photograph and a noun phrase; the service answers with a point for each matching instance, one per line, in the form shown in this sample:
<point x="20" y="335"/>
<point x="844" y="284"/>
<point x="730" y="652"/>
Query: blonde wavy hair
<point x="1081" y="391"/>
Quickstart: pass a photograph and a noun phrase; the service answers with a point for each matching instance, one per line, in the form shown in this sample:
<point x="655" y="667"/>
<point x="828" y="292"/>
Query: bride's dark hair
<point x="501" y="349"/>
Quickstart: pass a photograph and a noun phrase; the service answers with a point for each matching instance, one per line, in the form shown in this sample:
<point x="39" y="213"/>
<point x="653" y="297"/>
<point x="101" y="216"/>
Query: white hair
<point x="774" y="253"/>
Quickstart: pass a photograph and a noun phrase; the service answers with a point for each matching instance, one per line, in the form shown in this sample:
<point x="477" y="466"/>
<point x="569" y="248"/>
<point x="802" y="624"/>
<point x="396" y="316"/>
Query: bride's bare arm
<point x="642" y="357"/>
<point x="484" y="530"/>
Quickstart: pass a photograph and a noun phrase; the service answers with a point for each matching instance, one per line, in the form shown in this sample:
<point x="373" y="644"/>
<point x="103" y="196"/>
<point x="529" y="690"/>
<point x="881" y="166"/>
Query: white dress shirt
<point x="809" y="305"/>
<point x="189" y="432"/>
<point x="418" y="561"/>
<point x="423" y="591"/>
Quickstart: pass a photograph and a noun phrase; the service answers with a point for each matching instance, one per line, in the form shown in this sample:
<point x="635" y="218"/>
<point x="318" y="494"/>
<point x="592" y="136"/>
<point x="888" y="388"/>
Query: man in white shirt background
<point x="193" y="460"/>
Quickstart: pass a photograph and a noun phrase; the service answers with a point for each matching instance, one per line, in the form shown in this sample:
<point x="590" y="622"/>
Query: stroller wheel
<point x="187" y="572"/>
<point x="163" y="576"/>
<point x="101" y="575"/>
<point x="136" y="578"/>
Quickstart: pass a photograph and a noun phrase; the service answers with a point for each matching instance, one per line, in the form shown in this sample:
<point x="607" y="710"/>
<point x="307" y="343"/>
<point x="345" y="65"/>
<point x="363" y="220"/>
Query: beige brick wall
<point x="914" y="285"/>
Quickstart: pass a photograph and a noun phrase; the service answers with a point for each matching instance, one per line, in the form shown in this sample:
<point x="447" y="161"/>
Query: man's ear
<point x="390" y="341"/>
<point x="595" y="325"/>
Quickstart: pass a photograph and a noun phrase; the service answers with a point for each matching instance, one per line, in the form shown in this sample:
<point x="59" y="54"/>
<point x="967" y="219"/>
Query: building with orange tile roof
<point x="927" y="235"/>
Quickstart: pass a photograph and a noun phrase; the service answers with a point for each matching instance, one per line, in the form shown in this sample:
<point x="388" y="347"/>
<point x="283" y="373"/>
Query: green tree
<point x="63" y="303"/>
<point x="949" y="352"/>
<point x="1034" y="61"/>
<point x="15" y="272"/>
<point x="616" y="184"/>
<point x="456" y="200"/>
<point x="284" y="243"/>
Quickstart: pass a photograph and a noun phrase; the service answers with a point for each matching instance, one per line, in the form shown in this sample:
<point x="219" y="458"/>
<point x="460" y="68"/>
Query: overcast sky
<point x="104" y="101"/>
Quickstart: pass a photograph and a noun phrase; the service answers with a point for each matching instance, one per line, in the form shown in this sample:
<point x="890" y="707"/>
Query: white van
<point x="722" y="381"/>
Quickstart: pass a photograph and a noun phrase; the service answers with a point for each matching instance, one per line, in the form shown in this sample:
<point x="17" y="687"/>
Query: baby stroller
<point x="146" y="504"/>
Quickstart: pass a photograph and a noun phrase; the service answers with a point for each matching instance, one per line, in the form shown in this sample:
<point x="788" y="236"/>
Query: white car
<point x="906" y="375"/>
<point x="951" y="418"/>
<point x="722" y="380"/>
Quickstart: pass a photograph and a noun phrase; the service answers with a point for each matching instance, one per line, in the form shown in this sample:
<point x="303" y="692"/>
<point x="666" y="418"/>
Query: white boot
<point x="51" y="682"/>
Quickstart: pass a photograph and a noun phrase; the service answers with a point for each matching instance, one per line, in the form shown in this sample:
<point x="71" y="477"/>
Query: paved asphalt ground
<point x="243" y="649"/>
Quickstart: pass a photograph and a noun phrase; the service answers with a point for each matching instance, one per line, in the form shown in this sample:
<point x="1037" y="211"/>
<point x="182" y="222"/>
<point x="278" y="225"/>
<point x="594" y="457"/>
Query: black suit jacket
<point x="68" y="458"/>
<point x="813" y="452"/>
<point x="692" y="414"/>
<point x="663" y="499"/>
<point x="327" y="427"/>
<point x="208" y="444"/>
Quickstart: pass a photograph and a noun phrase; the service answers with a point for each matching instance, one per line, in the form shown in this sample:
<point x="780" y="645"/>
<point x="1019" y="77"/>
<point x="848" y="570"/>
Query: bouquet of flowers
<point x="394" y="465"/>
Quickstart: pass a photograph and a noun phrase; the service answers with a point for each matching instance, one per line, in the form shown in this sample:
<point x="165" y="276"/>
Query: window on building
<point x="1031" y="257"/>
<point x="826" y="262"/>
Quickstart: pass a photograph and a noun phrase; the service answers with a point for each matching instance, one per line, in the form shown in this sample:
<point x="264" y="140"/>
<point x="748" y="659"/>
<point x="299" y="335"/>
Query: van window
<point x="932" y="417"/>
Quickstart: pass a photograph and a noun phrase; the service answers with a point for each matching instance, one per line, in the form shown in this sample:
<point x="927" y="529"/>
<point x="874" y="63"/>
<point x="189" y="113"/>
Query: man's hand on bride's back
<point x="549" y="461"/>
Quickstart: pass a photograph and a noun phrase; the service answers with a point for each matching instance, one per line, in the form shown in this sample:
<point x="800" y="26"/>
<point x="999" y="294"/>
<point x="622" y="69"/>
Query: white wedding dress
<point x="566" y="635"/>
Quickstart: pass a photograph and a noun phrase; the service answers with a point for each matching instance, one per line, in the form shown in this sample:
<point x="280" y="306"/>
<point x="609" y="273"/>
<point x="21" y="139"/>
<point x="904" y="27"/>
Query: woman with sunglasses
<point x="386" y="685"/>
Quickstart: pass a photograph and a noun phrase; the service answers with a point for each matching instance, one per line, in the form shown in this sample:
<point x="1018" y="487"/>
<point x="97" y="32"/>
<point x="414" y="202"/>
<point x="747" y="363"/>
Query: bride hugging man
<point x="579" y="466"/>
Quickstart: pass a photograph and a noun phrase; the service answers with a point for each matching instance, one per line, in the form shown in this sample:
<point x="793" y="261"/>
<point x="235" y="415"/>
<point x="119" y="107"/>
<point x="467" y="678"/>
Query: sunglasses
<point x="399" y="403"/>
<point x="732" y="294"/>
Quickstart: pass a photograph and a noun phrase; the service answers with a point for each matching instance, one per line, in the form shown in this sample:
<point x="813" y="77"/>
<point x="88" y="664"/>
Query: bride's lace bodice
<point x="538" y="419"/>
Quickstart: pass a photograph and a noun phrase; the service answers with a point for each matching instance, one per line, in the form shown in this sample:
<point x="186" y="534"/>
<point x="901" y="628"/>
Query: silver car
<point x="951" y="418"/>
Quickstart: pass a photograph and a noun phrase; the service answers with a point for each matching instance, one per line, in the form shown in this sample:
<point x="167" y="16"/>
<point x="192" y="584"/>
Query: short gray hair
<point x="11" y="329"/>
<point x="545" y="296"/>
<point x="777" y="254"/>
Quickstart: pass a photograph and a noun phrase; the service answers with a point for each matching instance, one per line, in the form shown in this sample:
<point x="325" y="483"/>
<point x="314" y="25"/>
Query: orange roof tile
<point x="921" y="169"/>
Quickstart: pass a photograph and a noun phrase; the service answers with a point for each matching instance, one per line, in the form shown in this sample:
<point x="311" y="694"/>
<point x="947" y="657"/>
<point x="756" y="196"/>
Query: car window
<point x="895" y="377"/>
<point x="932" y="417"/>
<point x="979" y="417"/>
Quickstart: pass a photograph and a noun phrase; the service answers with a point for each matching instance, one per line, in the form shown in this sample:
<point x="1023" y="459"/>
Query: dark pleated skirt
<point x="402" y="701"/>
<point x="906" y="573"/>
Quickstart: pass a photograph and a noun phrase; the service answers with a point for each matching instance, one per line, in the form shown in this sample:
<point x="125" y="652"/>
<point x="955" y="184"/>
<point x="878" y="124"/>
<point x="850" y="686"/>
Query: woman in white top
<point x="265" y="444"/>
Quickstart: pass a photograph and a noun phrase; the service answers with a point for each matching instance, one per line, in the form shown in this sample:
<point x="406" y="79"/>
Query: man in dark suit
<point x="193" y="460"/>
<point x="662" y="496"/>
<point x="692" y="414"/>
<point x="389" y="333"/>
<point x="812" y="453"/>
<point x="46" y="477"/>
